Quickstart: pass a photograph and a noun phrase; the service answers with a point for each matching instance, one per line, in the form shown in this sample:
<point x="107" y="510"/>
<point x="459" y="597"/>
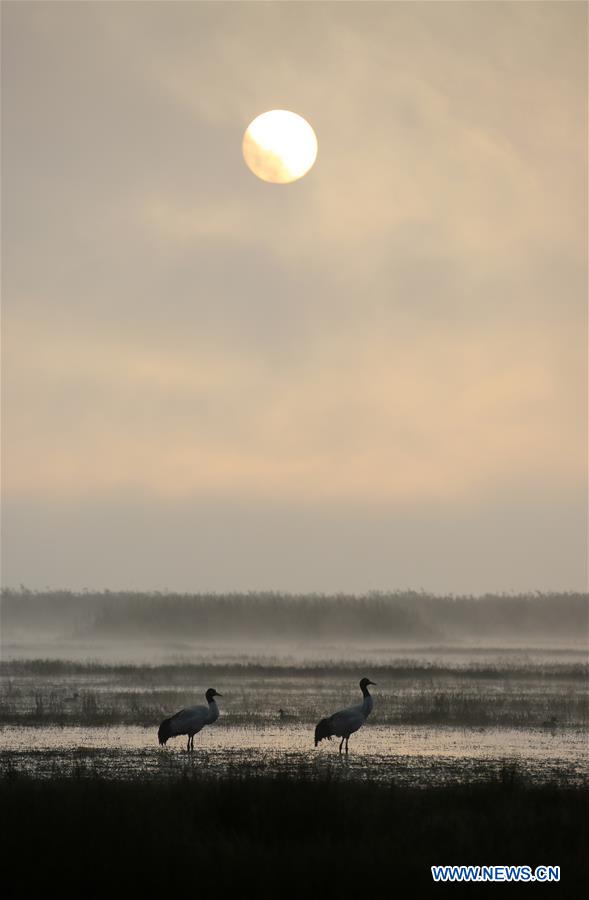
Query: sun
<point x="279" y="146"/>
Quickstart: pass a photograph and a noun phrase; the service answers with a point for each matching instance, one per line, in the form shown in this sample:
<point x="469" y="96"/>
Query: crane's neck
<point x="213" y="711"/>
<point x="367" y="703"/>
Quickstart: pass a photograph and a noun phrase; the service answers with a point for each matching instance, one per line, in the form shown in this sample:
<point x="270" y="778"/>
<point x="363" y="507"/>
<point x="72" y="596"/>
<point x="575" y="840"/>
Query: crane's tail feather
<point x="164" y="732"/>
<point x="323" y="730"/>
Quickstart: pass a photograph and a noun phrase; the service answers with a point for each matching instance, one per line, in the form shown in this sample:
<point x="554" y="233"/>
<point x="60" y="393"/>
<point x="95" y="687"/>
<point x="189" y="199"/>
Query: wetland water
<point x="440" y="717"/>
<point x="408" y="755"/>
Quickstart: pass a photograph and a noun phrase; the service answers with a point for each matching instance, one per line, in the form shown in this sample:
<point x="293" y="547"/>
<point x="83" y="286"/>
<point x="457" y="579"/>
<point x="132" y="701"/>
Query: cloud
<point x="405" y="325"/>
<point x="354" y="420"/>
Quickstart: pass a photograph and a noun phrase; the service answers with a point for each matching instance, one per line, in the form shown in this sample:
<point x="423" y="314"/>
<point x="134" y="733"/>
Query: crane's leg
<point x="341" y="745"/>
<point x="188" y="745"/>
<point x="347" y="742"/>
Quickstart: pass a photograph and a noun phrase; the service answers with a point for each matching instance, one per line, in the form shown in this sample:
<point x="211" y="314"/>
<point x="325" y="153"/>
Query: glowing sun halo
<point x="279" y="146"/>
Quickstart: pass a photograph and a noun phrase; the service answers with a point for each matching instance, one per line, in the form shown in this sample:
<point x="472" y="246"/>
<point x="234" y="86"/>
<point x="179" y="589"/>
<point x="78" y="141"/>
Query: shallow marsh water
<point x="441" y="715"/>
<point x="422" y="756"/>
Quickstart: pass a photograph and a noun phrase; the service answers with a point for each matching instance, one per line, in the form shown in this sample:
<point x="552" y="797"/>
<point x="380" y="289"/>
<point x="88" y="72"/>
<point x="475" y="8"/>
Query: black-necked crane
<point x="346" y="721"/>
<point x="190" y="720"/>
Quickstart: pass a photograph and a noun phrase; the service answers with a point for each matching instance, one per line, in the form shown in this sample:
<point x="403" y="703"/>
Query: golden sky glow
<point x="376" y="379"/>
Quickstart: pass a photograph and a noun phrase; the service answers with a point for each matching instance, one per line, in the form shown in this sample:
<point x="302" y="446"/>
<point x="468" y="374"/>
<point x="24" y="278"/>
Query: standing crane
<point x="190" y="720"/>
<point x="346" y="721"/>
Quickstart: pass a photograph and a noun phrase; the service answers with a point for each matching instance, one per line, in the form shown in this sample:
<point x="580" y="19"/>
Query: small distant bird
<point x="190" y="720"/>
<point x="284" y="716"/>
<point x="346" y="721"/>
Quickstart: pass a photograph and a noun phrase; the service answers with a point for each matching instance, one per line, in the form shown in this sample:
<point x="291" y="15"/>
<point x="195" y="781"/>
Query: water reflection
<point x="417" y="755"/>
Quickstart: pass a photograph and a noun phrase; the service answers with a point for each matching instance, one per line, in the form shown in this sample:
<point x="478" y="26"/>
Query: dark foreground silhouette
<point x="284" y="836"/>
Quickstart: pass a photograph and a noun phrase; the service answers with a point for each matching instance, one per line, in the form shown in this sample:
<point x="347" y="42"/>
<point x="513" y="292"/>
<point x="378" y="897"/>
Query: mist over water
<point x="137" y="627"/>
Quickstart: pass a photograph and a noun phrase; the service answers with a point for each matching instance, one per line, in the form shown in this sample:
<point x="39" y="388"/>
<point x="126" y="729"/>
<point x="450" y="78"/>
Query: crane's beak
<point x="217" y="694"/>
<point x="373" y="682"/>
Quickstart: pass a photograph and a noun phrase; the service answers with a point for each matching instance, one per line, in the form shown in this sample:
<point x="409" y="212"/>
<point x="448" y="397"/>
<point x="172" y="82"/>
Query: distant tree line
<point x="399" y="615"/>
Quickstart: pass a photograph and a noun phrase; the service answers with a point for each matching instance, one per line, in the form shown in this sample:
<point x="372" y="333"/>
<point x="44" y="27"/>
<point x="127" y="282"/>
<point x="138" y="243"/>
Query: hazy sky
<point x="372" y="378"/>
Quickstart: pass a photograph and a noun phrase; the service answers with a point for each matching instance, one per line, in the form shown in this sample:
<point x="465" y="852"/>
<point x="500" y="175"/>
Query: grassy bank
<point x="438" y="707"/>
<point x="57" y="692"/>
<point x="281" y="835"/>
<point x="183" y="672"/>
